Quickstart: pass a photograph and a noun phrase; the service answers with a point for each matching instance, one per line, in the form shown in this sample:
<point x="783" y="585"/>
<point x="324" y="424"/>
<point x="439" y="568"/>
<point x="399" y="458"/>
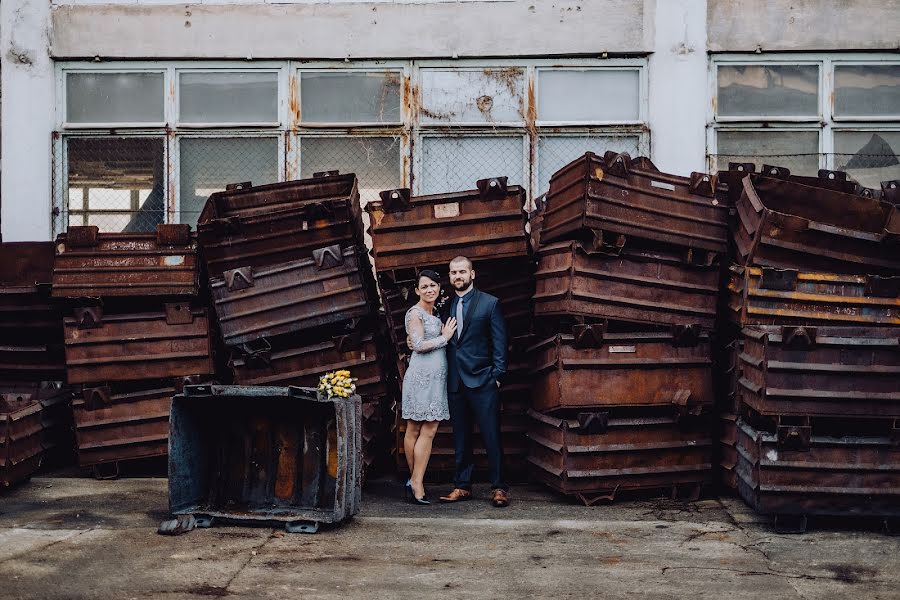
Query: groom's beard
<point x="462" y="285"/>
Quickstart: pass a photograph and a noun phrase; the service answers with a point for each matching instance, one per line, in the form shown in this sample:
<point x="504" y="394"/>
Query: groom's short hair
<point x="464" y="259"/>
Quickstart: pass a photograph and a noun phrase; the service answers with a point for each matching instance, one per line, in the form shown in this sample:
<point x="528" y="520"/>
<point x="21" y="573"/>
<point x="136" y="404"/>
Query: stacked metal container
<point x="35" y="405"/>
<point x="487" y="225"/>
<point x="293" y="289"/>
<point x="626" y="300"/>
<point x="815" y="294"/>
<point x="137" y="331"/>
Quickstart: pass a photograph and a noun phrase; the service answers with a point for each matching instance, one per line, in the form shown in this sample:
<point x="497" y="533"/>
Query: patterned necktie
<point x="459" y="317"/>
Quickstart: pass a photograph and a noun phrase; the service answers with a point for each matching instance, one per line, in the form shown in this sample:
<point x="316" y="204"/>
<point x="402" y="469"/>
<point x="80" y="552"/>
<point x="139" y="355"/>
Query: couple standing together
<point x="458" y="358"/>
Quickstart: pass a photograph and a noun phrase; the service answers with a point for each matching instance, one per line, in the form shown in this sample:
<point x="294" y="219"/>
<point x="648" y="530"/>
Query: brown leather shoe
<point x="457" y="495"/>
<point x="500" y="498"/>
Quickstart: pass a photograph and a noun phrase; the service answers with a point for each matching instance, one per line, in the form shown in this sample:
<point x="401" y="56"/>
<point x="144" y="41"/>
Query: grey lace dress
<point x="425" y="382"/>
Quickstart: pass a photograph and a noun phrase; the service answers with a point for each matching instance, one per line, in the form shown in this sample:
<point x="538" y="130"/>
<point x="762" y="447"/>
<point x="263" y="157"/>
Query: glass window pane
<point x="870" y="157"/>
<point x="867" y="90"/>
<point x="114" y="98"/>
<point x="228" y="97"/>
<point x="796" y="150"/>
<point x="350" y="97"/>
<point x="120" y="174"/>
<point x="768" y="90"/>
<point x="375" y="160"/>
<point x="451" y="164"/>
<point x="590" y="95"/>
<point x="209" y="164"/>
<point x="109" y="221"/>
<point x="476" y="96"/>
<point x="556" y="151"/>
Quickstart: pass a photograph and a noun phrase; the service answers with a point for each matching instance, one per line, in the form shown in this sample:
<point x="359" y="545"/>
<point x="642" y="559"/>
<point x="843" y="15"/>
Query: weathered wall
<point x="354" y="30"/>
<point x="782" y="25"/>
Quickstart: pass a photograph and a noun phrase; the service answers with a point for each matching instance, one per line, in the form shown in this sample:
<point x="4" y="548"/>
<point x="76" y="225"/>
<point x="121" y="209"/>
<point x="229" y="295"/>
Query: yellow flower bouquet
<point x="337" y="384"/>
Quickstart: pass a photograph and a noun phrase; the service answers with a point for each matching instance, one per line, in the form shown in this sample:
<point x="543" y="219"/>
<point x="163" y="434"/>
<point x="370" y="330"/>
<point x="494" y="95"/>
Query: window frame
<point x="280" y="91"/>
<point x="617" y="65"/>
<point x="63" y="95"/>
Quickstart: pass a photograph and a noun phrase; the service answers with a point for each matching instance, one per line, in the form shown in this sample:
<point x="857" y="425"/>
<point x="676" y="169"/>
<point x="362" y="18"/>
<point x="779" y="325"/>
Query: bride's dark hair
<point x="432" y="275"/>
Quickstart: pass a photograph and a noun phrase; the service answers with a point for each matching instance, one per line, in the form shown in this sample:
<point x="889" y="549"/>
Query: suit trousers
<point x="482" y="406"/>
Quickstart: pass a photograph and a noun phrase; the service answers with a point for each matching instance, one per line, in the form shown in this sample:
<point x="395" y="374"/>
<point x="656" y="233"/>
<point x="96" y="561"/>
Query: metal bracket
<point x="642" y="163"/>
<point x="617" y="164"/>
<point x="864" y="191"/>
<point x="319" y="174"/>
<point x="243" y="185"/>
<point x="302" y="527"/>
<point x="101" y="473"/>
<point x="797" y="337"/>
<point x="328" y="257"/>
<point x="593" y="422"/>
<point x="776" y="172"/>
<point x="492" y="188"/>
<point x="396" y="200"/>
<point x="82" y="235"/>
<point x="179" y="313"/>
<point x="827" y="175"/>
<point x="890" y="191"/>
<point x="795" y="437"/>
<point x="742" y="167"/>
<point x="171" y="234"/>
<point x="96" y="397"/>
<point x="89" y="317"/>
<point x="588" y="335"/>
<point x="882" y="287"/>
<point x="254" y="357"/>
<point x="703" y="184"/>
<point x="782" y="280"/>
<point x="238" y="279"/>
<point x="686" y="336"/>
<point x="185" y="380"/>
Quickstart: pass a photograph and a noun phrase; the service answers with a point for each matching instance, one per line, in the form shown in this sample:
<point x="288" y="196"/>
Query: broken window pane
<point x="209" y="164"/>
<point x="473" y="96"/>
<point x="350" y="97"/>
<point x="375" y="160"/>
<point x="228" y="97"/>
<point x="122" y="174"/>
<point x="451" y="164"/>
<point x="556" y="151"/>
<point x="867" y="90"/>
<point x="796" y="150"/>
<point x="870" y="157"/>
<point x="768" y="90"/>
<point x="588" y="95"/>
<point x="114" y="98"/>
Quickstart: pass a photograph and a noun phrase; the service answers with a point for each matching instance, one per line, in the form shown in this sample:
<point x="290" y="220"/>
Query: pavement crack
<point x="250" y="555"/>
<point x="45" y="547"/>
<point x="664" y="570"/>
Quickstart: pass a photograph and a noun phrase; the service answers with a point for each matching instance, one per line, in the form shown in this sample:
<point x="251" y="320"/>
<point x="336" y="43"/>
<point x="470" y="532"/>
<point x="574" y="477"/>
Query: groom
<point x="476" y="362"/>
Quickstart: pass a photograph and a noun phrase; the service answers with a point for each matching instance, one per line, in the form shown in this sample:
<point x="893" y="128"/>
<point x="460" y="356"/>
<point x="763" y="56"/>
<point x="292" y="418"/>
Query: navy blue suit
<point x="476" y="361"/>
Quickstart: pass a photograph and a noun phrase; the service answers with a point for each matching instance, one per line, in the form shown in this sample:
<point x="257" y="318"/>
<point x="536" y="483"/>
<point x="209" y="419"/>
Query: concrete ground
<point x="72" y="538"/>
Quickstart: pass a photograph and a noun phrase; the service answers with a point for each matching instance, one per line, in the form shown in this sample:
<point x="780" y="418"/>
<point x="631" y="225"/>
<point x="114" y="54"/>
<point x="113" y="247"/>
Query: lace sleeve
<point x="415" y="329"/>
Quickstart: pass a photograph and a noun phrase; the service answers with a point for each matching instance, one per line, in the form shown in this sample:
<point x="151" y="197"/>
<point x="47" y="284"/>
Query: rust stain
<point x="508" y="76"/>
<point x="293" y="101"/>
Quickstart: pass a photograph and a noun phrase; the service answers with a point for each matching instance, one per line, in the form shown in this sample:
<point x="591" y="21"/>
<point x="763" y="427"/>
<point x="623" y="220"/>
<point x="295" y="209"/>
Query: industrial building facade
<point x="128" y="114"/>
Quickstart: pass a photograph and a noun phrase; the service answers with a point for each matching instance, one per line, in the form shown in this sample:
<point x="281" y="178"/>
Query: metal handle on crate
<point x="397" y="200"/>
<point x="328" y="257"/>
<point x="703" y="184"/>
<point x="96" y="397"/>
<point x="491" y="188"/>
<point x="796" y="337"/>
<point x="243" y="185"/>
<point x="775" y="171"/>
<point x="588" y="335"/>
<point x="238" y="279"/>
<point x="593" y="422"/>
<point x="89" y="317"/>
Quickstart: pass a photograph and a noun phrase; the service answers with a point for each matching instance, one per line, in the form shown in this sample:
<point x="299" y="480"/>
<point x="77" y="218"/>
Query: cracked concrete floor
<point x="71" y="538"/>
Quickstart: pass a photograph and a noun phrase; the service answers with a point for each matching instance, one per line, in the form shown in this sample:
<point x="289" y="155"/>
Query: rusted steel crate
<point x="597" y="455"/>
<point x="330" y="287"/>
<point x="300" y="362"/>
<point x="34" y="418"/>
<point x="510" y="280"/>
<point x="727" y="450"/>
<point x="127" y="347"/>
<point x="90" y="264"/>
<point x="643" y="286"/>
<point x="825" y="179"/>
<point x="789" y="225"/>
<point x="119" y="422"/>
<point x="618" y="198"/>
<point x="832" y="475"/>
<point x="769" y="296"/>
<point x="485" y="223"/>
<point x="260" y="226"/>
<point x="592" y="368"/>
<point x="31" y="335"/>
<point x="265" y="454"/>
<point x="821" y="371"/>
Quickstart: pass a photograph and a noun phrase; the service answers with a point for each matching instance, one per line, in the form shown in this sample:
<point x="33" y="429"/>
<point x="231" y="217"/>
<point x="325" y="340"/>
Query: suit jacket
<point x="478" y="357"/>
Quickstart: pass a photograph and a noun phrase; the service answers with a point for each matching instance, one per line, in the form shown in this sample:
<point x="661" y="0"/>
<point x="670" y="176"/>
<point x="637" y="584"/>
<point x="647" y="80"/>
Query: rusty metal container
<point x="832" y="475"/>
<point x="124" y="421"/>
<point x="34" y="417"/>
<point x="31" y="335"/>
<point x="769" y="296"/>
<point x="264" y="454"/>
<point x="592" y="368"/>
<point x="328" y="288"/>
<point x="260" y="226"/>
<point x="617" y="198"/>
<point x="727" y="451"/>
<point x="789" y="225"/>
<point x="642" y="286"/>
<point x="597" y="455"/>
<point x="127" y="347"/>
<point x="485" y="223"/>
<point x="821" y="371"/>
<point x="90" y="264"/>
<point x="830" y="180"/>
